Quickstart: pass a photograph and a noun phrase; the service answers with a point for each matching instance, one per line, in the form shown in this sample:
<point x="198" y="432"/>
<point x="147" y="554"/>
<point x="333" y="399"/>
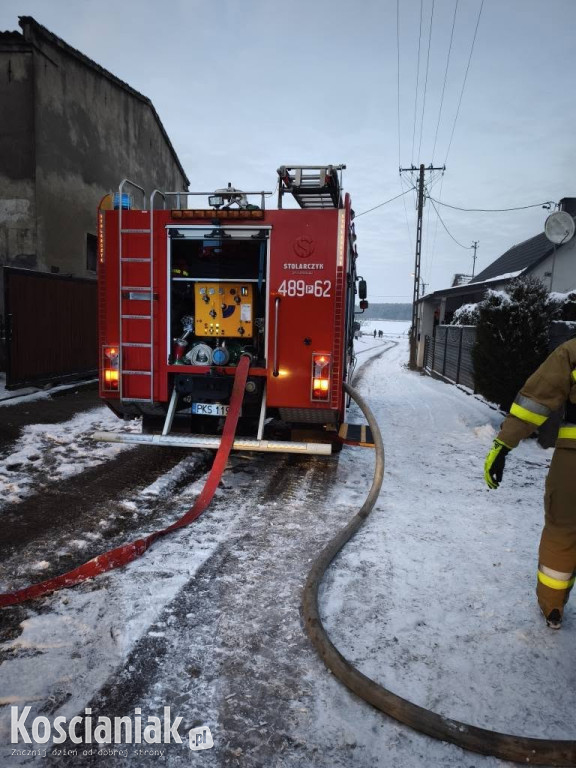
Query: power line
<point x="384" y="203"/>
<point x="417" y="81"/>
<point x="426" y="80"/>
<point x="492" y="210"/>
<point x="467" y="247"/>
<point x="434" y="178"/>
<point x="464" y="83"/>
<point x="426" y="247"/>
<point x="398" y="70"/>
<point x="435" y="236"/>
<point x="445" y="79"/>
<point x="399" y="132"/>
<point x="406" y="212"/>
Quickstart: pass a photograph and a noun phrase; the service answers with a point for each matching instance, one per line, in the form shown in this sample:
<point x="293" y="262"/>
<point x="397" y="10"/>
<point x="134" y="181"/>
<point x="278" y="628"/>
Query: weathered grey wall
<point x="17" y="164"/>
<point x="17" y="198"/>
<point x="69" y="133"/>
<point x="90" y="133"/>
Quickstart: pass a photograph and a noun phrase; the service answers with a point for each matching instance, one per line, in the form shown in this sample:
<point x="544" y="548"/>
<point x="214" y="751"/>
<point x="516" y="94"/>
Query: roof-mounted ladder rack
<point x="312" y="186"/>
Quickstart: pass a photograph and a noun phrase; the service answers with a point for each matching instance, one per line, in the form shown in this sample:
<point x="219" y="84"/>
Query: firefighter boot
<point x="554" y="619"/>
<point x="557" y="555"/>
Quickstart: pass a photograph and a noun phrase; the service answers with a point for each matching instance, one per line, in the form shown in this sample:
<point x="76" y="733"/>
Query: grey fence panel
<point x="449" y="353"/>
<point x="440" y="349"/>
<point x="454" y="335"/>
<point x="428" y="351"/>
<point x="466" y="375"/>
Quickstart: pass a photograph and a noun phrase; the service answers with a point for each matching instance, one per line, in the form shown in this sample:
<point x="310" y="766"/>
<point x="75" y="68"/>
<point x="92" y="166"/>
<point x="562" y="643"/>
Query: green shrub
<point x="467" y="314"/>
<point x="567" y="305"/>
<point x="511" y="338"/>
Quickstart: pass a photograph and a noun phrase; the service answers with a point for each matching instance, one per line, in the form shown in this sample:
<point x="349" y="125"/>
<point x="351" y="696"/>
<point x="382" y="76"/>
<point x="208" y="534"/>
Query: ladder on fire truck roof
<point x="312" y="186"/>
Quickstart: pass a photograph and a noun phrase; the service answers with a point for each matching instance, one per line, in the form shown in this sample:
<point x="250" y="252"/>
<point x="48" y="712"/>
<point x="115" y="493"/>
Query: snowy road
<point x="433" y="598"/>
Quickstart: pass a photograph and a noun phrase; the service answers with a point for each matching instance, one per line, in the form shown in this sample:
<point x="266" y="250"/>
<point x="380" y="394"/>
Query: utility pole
<point x="474" y="245"/>
<point x="416" y="294"/>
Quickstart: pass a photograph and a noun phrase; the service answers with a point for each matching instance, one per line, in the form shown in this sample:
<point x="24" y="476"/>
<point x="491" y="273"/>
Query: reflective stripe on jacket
<point x="529" y="410"/>
<point x="550" y="387"/>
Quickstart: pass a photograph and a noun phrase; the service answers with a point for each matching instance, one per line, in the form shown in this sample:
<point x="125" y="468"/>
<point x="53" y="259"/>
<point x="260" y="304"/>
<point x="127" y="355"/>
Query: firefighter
<point x="552" y="386"/>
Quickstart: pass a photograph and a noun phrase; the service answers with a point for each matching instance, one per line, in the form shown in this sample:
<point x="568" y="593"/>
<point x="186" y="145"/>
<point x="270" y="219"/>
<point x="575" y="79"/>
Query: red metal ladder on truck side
<point x="142" y="324"/>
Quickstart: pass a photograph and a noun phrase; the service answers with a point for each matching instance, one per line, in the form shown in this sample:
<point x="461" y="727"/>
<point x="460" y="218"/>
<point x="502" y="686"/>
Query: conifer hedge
<point x="512" y="336"/>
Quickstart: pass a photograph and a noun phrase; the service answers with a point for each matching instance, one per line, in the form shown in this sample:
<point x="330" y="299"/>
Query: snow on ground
<point x="388" y="327"/>
<point x="57" y="451"/>
<point x="67" y="653"/>
<point x="446" y="568"/>
<point x="7" y="394"/>
<point x="434" y="597"/>
<point x="30" y="394"/>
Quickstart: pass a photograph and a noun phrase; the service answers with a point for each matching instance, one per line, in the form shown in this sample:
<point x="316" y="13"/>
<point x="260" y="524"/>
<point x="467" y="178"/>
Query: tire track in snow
<point x="237" y="657"/>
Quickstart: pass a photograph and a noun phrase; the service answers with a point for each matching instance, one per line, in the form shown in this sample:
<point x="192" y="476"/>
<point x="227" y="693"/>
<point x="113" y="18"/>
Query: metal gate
<point x="449" y="353"/>
<point x="51" y="327"/>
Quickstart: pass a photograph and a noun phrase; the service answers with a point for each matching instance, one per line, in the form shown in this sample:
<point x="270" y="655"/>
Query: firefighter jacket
<point x="550" y="387"/>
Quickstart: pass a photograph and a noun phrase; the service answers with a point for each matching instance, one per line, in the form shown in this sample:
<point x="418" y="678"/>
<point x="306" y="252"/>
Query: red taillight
<point x="321" y="376"/>
<point x="110" y="369"/>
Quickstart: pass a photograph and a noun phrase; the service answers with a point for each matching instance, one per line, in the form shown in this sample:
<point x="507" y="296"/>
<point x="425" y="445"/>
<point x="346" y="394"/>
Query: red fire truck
<point x="185" y="291"/>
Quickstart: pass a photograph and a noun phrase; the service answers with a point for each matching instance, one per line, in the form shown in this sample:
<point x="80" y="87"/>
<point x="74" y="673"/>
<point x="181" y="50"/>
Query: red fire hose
<point x="123" y="555"/>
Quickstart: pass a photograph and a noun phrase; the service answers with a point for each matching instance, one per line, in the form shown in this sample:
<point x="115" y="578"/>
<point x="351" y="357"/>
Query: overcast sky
<point x="243" y="86"/>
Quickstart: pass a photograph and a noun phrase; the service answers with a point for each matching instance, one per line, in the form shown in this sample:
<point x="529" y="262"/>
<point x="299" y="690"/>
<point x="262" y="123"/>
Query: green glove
<point x="494" y="464"/>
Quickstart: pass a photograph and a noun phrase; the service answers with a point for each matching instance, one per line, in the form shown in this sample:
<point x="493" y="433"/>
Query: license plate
<point x="210" y="409"/>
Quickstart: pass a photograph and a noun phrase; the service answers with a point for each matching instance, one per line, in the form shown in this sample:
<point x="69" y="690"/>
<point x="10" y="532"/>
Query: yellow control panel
<point x="223" y="309"/>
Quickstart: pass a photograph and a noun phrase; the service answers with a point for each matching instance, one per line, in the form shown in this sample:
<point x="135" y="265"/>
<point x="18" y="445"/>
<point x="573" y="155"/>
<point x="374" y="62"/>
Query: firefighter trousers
<point x="557" y="554"/>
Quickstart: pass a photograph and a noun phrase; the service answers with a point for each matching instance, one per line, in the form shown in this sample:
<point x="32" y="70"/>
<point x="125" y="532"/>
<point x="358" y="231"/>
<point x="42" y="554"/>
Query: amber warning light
<point x="209" y="213"/>
<point x="110" y="369"/>
<point x="321" y="376"/>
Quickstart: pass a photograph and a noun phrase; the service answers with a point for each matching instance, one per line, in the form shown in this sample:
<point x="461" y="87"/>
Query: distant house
<point x="70" y="132"/>
<point x="555" y="265"/>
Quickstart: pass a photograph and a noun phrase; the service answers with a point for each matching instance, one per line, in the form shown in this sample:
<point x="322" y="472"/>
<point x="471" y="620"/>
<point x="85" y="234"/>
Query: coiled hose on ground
<point x="505" y="746"/>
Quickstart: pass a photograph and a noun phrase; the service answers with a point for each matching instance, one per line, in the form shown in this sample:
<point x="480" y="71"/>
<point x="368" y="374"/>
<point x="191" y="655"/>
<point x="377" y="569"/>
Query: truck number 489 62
<point x="318" y="288"/>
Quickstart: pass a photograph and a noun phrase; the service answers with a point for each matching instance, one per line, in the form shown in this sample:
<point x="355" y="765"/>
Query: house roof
<point x="467" y="289"/>
<point x="32" y="29"/>
<point x="517" y="259"/>
<point x="8" y="37"/>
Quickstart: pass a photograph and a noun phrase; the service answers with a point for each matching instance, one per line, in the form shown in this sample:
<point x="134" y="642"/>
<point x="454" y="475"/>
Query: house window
<point x="91" y="251"/>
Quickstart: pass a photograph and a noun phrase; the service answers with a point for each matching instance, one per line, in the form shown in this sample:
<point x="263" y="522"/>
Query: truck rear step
<point x="201" y="441"/>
